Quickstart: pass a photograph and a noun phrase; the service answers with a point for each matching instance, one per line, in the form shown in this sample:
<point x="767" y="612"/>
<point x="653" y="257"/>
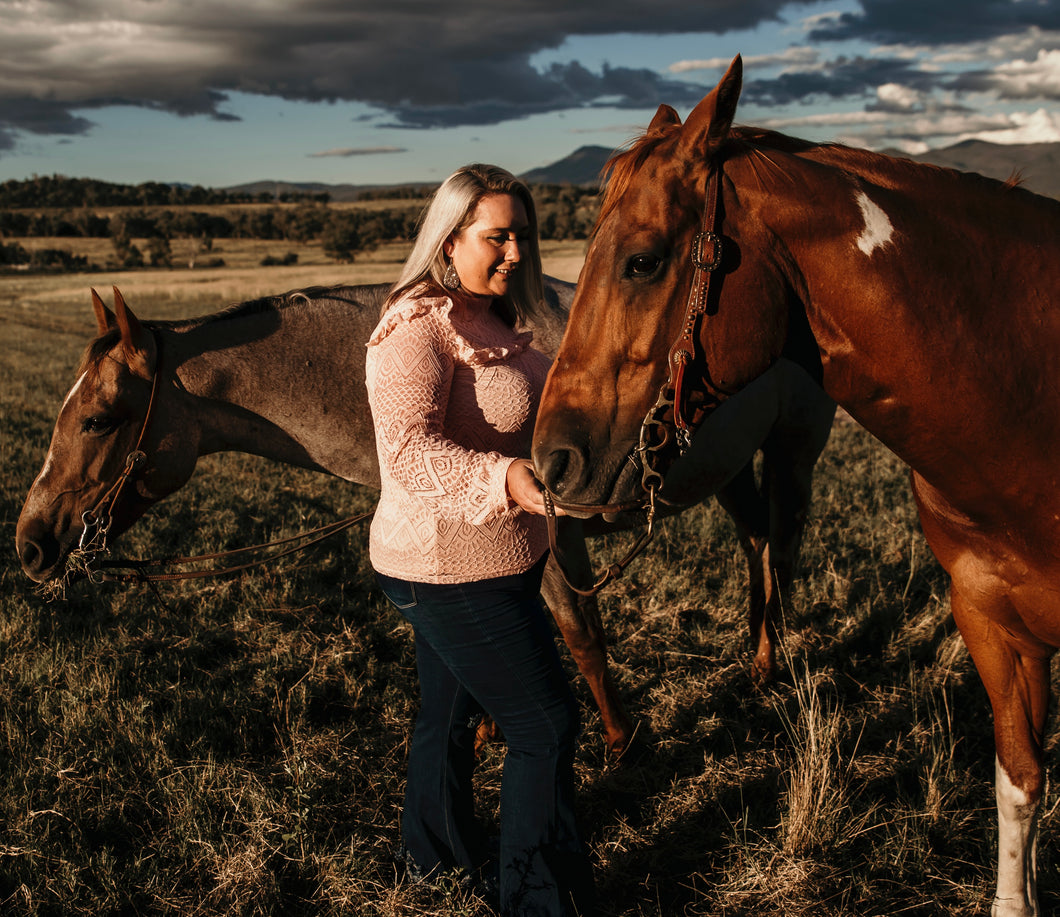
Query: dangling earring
<point x="451" y="279"/>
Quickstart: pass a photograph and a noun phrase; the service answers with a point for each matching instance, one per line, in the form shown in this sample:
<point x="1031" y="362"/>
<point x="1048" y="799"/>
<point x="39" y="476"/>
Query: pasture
<point x="236" y="745"/>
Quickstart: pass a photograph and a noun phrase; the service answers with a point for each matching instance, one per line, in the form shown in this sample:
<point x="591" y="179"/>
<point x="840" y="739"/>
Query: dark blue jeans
<point x="488" y="646"/>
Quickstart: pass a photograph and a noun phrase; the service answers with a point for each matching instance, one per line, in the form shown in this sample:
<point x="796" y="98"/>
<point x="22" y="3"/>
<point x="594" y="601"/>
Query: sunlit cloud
<point x="800" y="57"/>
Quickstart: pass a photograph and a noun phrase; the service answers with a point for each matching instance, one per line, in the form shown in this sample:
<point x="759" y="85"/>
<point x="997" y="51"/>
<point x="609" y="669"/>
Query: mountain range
<point x="1038" y="165"/>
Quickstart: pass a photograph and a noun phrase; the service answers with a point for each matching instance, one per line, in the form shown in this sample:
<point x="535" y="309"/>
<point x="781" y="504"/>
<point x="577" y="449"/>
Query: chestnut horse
<point x="283" y="377"/>
<point x="923" y="299"/>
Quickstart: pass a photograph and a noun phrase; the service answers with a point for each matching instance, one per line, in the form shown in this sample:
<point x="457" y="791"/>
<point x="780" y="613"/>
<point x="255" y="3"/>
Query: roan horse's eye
<point x="642" y="265"/>
<point x="99" y="425"/>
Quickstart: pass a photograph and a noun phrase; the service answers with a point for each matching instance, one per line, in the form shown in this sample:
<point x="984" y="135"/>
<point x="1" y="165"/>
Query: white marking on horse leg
<point x="878" y="229"/>
<point x="1017" y="849"/>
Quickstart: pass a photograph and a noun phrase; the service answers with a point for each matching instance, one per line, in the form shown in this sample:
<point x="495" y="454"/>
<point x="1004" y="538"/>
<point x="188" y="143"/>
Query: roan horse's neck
<point x="284" y="382"/>
<point x="284" y="377"/>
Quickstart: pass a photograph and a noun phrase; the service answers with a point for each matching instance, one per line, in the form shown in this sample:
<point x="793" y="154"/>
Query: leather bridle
<point x="656" y="433"/>
<point x="98" y="521"/>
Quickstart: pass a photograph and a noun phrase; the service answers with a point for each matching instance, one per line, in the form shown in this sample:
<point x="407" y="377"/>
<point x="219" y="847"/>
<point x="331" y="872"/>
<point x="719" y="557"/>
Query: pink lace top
<point x="454" y="393"/>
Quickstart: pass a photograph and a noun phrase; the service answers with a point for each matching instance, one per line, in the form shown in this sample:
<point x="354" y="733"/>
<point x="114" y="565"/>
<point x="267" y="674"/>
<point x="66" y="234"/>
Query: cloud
<point x="1017" y="79"/>
<point x="358" y="151"/>
<point x="892" y="97"/>
<point x="420" y="64"/>
<point x="935" y="22"/>
<point x="795" y="56"/>
<point x="842" y="78"/>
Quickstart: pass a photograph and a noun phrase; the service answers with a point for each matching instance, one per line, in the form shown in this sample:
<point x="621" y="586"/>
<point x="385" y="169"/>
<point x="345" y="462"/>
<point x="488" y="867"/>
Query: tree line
<point x="59" y="191"/>
<point x="564" y="212"/>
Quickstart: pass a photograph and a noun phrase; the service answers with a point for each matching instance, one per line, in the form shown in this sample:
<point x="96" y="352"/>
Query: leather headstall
<point x="97" y="520"/>
<point x="655" y="432"/>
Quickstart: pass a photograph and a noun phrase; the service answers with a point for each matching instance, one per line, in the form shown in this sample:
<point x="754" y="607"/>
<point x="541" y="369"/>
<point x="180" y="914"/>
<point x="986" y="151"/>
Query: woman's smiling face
<point x="487" y="252"/>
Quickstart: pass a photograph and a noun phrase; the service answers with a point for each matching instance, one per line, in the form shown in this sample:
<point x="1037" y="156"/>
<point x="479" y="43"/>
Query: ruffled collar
<point x="479" y="336"/>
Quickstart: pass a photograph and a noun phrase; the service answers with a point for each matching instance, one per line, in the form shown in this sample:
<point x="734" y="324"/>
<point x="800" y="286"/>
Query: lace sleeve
<point x="409" y="374"/>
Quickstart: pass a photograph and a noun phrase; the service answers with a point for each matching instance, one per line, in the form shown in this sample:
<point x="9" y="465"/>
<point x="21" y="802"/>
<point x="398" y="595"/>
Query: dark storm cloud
<point x="844" y="78"/>
<point x="41" y="117"/>
<point x="936" y="22"/>
<point x="562" y="86"/>
<point x="423" y="64"/>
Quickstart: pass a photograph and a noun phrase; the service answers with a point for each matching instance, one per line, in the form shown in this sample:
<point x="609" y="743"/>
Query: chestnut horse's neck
<point x="930" y="296"/>
<point x="279" y="378"/>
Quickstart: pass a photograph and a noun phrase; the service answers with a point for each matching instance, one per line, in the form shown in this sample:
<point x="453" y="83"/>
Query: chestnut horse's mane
<point x="618" y="172"/>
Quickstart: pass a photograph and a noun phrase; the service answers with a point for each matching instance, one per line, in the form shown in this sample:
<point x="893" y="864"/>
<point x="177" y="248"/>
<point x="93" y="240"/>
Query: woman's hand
<point x="525" y="489"/>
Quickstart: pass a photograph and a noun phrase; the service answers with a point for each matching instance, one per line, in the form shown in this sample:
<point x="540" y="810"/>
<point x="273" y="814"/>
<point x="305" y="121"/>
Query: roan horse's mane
<point x="105" y="343"/>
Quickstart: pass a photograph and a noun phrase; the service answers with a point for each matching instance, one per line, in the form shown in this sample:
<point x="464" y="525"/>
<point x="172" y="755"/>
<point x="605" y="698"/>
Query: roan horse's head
<point x="81" y="494"/>
<point x="630" y="305"/>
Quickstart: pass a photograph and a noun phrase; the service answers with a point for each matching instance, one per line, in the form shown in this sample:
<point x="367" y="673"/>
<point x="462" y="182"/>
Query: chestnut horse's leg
<point x="1016" y="676"/>
<point x="578" y="618"/>
<point x="1014" y="667"/>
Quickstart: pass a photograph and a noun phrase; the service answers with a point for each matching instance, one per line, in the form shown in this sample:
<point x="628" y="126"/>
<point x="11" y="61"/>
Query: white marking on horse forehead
<point x="49" y="460"/>
<point x="73" y="391"/>
<point x="878" y="229"/>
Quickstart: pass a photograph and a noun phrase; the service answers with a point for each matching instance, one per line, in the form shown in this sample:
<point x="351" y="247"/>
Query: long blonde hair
<point x="452" y="208"/>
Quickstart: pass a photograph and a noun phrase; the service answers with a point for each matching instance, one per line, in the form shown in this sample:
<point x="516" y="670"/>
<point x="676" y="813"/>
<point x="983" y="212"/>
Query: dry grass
<point x="237" y="746"/>
<point x="242" y="277"/>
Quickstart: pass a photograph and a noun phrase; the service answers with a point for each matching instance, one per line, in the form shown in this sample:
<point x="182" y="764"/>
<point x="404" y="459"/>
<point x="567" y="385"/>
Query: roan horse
<point x="283" y="377"/>
<point x="924" y="300"/>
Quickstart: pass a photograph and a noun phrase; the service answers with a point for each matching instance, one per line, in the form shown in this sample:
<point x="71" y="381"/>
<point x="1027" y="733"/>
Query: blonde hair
<point x="452" y="209"/>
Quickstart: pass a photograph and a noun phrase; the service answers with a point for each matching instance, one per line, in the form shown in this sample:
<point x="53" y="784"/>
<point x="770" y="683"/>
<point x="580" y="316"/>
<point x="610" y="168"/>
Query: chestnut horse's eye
<point x="642" y="265"/>
<point x="99" y="425"/>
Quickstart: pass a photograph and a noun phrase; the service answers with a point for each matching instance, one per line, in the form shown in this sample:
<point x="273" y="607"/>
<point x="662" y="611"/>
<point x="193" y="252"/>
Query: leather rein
<point x="656" y="434"/>
<point x="98" y="520"/>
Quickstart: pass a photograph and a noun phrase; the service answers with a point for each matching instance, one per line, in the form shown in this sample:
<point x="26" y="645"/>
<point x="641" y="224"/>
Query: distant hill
<point x="336" y="193"/>
<point x="582" y="167"/>
<point x="1038" y="163"/>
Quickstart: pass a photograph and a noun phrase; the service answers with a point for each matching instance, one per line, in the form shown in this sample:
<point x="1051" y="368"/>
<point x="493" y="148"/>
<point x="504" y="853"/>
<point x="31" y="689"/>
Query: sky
<point x="351" y="91"/>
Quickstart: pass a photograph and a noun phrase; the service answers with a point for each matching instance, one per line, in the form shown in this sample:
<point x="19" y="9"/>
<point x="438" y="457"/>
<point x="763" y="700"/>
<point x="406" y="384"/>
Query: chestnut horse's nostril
<point x="560" y="468"/>
<point x="39" y="551"/>
<point x="550" y="466"/>
<point x="32" y="556"/>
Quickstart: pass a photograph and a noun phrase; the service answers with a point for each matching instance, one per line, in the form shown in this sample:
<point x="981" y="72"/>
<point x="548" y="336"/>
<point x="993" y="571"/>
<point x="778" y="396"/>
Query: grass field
<point x="237" y="746"/>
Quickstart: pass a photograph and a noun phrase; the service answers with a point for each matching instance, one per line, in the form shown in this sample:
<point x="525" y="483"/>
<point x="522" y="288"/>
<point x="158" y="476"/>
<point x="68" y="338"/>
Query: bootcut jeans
<point x="488" y="646"/>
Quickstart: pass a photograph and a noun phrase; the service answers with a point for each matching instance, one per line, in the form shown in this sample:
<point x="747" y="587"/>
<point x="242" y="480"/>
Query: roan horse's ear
<point x="105" y="319"/>
<point x="709" y="122"/>
<point x="137" y="342"/>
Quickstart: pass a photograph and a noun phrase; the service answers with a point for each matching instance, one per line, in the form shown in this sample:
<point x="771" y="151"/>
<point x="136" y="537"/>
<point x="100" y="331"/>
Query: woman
<point x="458" y="543"/>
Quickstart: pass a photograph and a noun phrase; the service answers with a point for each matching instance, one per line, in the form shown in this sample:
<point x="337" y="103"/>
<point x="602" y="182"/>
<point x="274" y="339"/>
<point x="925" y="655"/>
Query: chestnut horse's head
<point x="99" y="476"/>
<point x="630" y="309"/>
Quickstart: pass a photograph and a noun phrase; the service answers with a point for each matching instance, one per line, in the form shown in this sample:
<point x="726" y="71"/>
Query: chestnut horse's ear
<point x="105" y="319"/>
<point x="709" y="123"/>
<point x="138" y="344"/>
<point x="665" y="116"/>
